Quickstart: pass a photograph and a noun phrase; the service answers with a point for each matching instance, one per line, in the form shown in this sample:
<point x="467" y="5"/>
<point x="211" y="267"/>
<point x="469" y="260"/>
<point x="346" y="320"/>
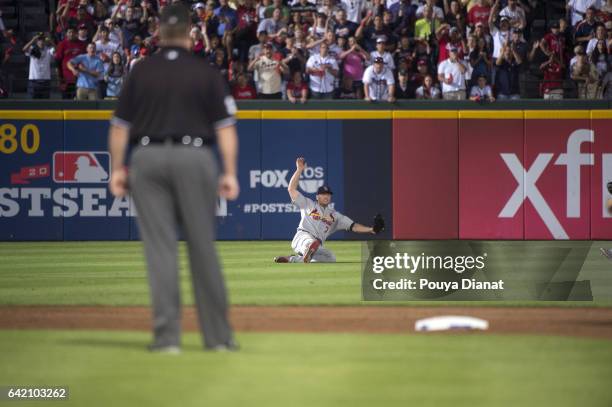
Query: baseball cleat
<point x="281" y="259"/>
<point x="167" y="349"/>
<point x="607" y="253"/>
<point x="314" y="246"/>
<point x="231" y="346"/>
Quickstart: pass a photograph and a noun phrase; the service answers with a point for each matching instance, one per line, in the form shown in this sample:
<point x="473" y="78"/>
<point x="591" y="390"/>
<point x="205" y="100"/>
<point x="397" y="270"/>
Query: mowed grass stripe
<point x="101" y="272"/>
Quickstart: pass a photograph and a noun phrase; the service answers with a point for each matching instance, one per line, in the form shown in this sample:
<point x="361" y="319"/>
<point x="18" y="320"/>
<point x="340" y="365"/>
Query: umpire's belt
<point x="181" y="140"/>
<point x="314" y="237"/>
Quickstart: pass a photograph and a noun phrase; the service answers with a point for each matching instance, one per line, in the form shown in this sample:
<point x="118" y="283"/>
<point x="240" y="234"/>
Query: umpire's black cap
<point x="174" y="14"/>
<point x="324" y="190"/>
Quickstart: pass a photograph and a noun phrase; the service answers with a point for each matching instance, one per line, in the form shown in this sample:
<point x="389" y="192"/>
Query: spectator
<point x="317" y="31"/>
<point x="130" y="26"/>
<point x="83" y="33"/>
<point x="482" y="91"/>
<point x="403" y="90"/>
<point x="552" y="85"/>
<point x="479" y="13"/>
<point x="297" y="90"/>
<point x="227" y="24"/>
<point x="104" y="50"/>
<point x="323" y="70"/>
<point x="452" y="75"/>
<point x="518" y="45"/>
<point x="428" y="90"/>
<point x="242" y="89"/>
<point x="354" y="9"/>
<point x="272" y="26"/>
<point x="40" y="50"/>
<point x="344" y="27"/>
<point x="454" y="15"/>
<point x="69" y="48"/>
<point x="427" y="24"/>
<point x="438" y="13"/>
<point x="88" y="69"/>
<point x="378" y="82"/>
<point x="371" y="32"/>
<point x="554" y="41"/>
<point x="600" y="57"/>
<point x="586" y="28"/>
<point x="600" y="35"/>
<point x="403" y="16"/>
<point x="515" y="14"/>
<point x="246" y="31"/>
<point x="269" y="73"/>
<point x="500" y="35"/>
<point x="480" y="61"/>
<point x="449" y="37"/>
<point x="354" y="59"/>
<point x="381" y="52"/>
<point x="294" y="57"/>
<point x="586" y="76"/>
<point x="114" y="76"/>
<point x="507" y="77"/>
<point x="285" y="11"/>
<point x="114" y="32"/>
<point x="579" y="8"/>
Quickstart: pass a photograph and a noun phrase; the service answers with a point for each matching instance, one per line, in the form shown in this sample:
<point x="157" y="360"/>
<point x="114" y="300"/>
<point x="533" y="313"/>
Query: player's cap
<point x="381" y="39"/>
<point x="504" y="18"/>
<point x="324" y="190"/>
<point x="379" y="60"/>
<point x="82" y="27"/>
<point x="453" y="49"/>
<point x="454" y="30"/>
<point x="199" y="5"/>
<point x="479" y="24"/>
<point x="421" y="62"/>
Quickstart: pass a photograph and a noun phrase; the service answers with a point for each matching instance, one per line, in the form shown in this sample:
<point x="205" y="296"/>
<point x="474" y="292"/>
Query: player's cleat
<point x="167" y="349"/>
<point x="231" y="346"/>
<point x="281" y="259"/>
<point x="314" y="246"/>
<point x="607" y="253"/>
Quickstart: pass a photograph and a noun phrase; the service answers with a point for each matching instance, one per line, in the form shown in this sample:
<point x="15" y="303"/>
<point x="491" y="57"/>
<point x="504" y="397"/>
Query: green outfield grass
<point x="111" y="369"/>
<point x="113" y="273"/>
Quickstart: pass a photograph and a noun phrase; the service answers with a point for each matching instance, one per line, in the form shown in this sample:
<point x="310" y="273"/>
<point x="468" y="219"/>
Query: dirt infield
<point x="582" y="322"/>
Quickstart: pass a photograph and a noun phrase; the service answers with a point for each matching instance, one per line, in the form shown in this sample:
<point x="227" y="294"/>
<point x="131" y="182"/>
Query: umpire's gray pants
<point x="177" y="185"/>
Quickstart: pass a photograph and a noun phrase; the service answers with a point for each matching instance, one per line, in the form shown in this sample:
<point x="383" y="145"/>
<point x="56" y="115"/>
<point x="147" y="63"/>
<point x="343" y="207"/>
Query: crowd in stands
<point x="378" y="50"/>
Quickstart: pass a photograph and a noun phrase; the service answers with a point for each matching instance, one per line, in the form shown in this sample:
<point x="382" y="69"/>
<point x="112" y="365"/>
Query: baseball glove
<point x="379" y="224"/>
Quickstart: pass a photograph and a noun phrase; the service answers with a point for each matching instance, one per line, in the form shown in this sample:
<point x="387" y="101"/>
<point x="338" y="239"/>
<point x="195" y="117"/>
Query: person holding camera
<point x="40" y="51"/>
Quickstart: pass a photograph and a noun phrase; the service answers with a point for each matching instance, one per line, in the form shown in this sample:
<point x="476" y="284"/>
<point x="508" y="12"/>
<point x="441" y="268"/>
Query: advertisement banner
<point x="485" y="183"/>
<point x="601" y="175"/>
<point x="425" y="187"/>
<point x="31" y="201"/>
<point x="557" y="168"/>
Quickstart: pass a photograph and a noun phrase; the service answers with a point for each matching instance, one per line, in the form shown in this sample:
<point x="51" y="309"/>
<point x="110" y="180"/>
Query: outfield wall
<point x="439" y="174"/>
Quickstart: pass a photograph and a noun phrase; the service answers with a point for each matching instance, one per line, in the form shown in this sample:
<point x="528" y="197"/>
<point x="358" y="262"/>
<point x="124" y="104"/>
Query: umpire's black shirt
<point x="173" y="94"/>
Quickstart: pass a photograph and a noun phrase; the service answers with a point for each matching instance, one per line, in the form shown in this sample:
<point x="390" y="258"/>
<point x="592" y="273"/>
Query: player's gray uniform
<point x="317" y="224"/>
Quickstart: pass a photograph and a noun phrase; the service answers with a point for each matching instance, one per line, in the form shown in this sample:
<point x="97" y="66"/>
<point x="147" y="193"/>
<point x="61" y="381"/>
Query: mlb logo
<point x="81" y="166"/>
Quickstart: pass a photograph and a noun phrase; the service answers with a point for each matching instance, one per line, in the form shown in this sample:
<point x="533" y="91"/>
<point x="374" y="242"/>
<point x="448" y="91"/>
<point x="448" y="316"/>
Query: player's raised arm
<point x="300" y="164"/>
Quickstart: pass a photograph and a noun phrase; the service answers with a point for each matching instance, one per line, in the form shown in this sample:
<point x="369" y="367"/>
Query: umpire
<point x="172" y="109"/>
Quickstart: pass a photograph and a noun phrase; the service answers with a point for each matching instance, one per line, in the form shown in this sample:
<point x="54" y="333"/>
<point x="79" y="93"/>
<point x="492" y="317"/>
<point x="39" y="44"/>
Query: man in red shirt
<point x="479" y="13"/>
<point x="555" y="41"/>
<point x="246" y="32"/>
<point x="69" y="48"/>
<point x="552" y="85"/>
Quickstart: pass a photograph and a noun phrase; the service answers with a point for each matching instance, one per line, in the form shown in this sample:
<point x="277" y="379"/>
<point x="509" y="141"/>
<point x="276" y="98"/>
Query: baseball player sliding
<point x="318" y="222"/>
